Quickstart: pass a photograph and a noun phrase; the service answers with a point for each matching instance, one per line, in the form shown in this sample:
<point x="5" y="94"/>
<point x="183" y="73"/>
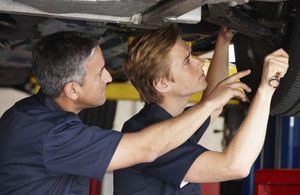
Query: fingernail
<point x="247" y="99"/>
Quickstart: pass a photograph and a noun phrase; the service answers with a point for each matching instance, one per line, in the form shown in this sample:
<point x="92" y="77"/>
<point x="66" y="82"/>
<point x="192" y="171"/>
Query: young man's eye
<point x="188" y="62"/>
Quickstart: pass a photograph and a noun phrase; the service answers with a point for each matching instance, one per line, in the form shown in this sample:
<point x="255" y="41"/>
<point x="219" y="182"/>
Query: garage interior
<point x="276" y="171"/>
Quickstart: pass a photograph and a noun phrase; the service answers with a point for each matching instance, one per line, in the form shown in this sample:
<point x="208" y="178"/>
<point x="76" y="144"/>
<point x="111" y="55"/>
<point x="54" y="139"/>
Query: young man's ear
<point x="70" y="90"/>
<point x="162" y="85"/>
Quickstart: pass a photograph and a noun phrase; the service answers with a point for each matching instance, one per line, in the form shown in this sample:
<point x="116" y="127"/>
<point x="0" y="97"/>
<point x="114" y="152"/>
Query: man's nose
<point x="107" y="76"/>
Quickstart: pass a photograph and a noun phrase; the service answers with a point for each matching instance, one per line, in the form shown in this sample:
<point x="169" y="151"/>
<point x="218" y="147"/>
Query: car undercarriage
<point x="261" y="25"/>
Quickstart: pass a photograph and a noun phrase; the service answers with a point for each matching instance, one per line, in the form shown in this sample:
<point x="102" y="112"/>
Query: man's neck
<point x="66" y="105"/>
<point x="174" y="106"/>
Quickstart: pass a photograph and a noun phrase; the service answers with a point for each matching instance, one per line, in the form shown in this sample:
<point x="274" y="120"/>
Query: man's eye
<point x="188" y="62"/>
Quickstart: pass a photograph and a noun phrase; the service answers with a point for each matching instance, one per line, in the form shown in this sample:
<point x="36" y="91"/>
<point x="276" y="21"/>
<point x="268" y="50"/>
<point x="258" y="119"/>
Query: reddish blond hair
<point x="148" y="60"/>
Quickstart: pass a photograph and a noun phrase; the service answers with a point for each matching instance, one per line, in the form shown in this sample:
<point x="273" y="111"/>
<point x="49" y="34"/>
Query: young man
<point x="46" y="149"/>
<point x="161" y="67"/>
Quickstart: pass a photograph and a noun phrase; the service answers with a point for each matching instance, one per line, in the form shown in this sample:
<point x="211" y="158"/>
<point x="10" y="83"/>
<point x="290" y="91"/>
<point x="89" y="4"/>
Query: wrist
<point x="222" y="41"/>
<point x="208" y="104"/>
<point x="265" y="90"/>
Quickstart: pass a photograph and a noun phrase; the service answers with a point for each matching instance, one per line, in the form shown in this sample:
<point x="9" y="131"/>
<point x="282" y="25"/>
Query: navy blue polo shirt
<point x="164" y="175"/>
<point x="45" y="150"/>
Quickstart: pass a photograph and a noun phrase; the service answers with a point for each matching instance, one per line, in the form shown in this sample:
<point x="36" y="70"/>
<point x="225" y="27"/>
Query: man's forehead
<point x="181" y="47"/>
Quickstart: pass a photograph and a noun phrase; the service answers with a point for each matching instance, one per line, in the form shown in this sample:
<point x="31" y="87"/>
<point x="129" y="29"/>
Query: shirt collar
<point x="47" y="101"/>
<point x="157" y="111"/>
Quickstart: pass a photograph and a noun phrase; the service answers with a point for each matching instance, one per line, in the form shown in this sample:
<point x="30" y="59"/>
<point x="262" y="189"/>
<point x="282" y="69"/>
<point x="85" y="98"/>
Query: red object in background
<point x="94" y="187"/>
<point x="277" y="182"/>
<point x="210" y="188"/>
<point x="206" y="188"/>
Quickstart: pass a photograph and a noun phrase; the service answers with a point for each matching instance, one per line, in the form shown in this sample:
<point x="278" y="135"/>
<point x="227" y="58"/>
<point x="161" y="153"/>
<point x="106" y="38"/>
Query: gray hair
<point x="59" y="58"/>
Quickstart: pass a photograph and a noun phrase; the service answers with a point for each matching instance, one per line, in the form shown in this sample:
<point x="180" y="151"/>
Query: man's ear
<point x="70" y="90"/>
<point x="162" y="85"/>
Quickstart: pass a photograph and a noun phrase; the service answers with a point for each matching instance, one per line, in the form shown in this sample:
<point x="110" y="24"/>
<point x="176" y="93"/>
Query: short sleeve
<point x="173" y="166"/>
<point x="80" y="150"/>
<point x="199" y="133"/>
